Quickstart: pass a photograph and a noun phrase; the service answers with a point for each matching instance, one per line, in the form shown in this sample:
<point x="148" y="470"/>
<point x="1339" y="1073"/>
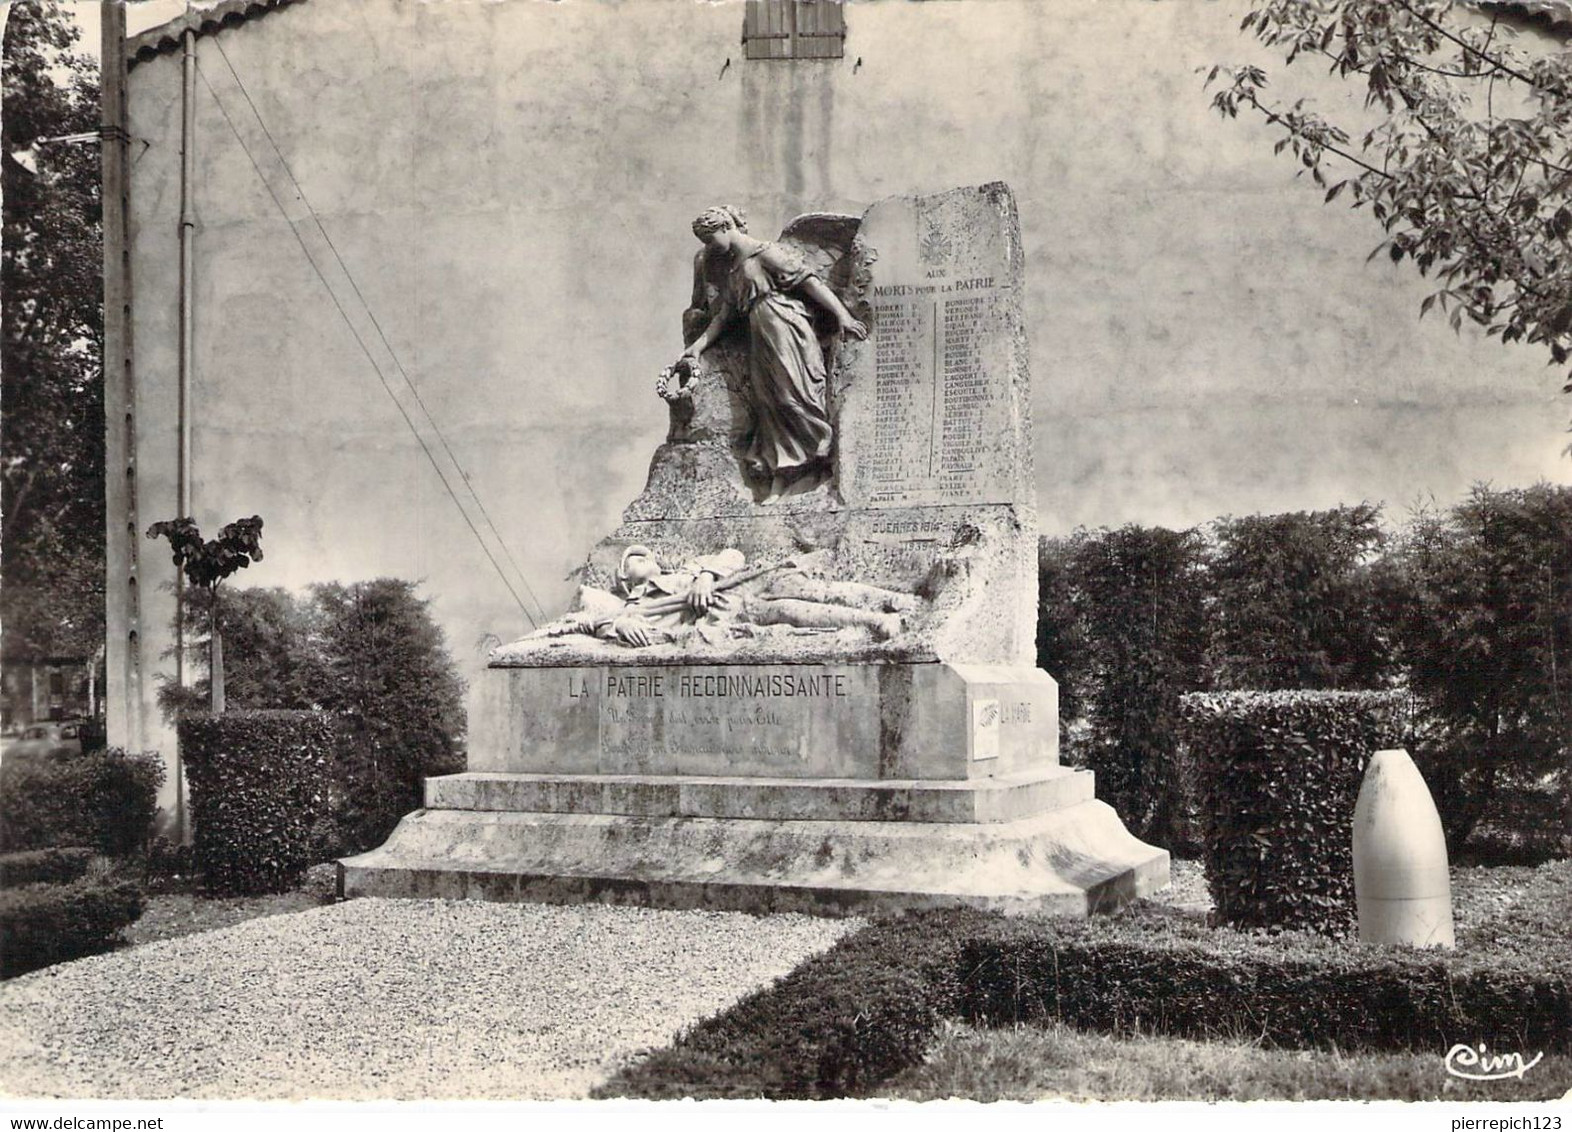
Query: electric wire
<point x="365" y="349"/>
<point x="370" y="314"/>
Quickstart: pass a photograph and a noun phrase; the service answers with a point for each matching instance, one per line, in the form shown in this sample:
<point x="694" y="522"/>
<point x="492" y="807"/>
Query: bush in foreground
<point x="105" y="799"/>
<point x="44" y="866"/>
<point x="258" y="781"/>
<point x="1279" y="774"/>
<point x="848" y="1020"/>
<point x="1292" y="990"/>
<point x="837" y="1026"/>
<point x="43" y="924"/>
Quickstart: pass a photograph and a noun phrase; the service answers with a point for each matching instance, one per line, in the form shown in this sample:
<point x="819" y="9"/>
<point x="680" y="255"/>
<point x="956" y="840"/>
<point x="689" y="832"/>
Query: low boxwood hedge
<point x="837" y="1026"/>
<point x="44" y="866"/>
<point x="258" y="787"/>
<point x="1279" y="773"/>
<point x="104" y="799"/>
<point x="43" y="924"/>
<point x="871" y="1006"/>
<point x="1295" y="990"/>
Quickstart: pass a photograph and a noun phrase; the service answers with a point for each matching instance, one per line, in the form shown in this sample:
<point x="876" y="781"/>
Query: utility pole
<point x="185" y="353"/>
<point x="126" y="717"/>
<point x="123" y="668"/>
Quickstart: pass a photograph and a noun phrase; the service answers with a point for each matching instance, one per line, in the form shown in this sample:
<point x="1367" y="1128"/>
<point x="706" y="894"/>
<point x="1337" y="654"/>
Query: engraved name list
<point x="936" y="406"/>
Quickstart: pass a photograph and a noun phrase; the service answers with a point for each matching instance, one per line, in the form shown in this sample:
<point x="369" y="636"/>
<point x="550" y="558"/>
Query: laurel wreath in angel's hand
<point x="675" y="381"/>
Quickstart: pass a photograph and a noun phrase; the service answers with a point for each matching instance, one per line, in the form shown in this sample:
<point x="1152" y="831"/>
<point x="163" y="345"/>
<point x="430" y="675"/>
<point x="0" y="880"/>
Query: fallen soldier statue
<point x="718" y="595"/>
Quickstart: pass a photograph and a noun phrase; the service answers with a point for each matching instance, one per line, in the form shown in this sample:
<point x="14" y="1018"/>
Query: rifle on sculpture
<point x="570" y="623"/>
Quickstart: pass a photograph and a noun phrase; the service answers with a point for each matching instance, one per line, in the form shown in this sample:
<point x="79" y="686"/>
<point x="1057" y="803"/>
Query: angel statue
<point x="776" y="290"/>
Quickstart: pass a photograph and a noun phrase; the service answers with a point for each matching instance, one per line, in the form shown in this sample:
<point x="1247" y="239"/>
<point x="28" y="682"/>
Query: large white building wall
<point x="511" y="184"/>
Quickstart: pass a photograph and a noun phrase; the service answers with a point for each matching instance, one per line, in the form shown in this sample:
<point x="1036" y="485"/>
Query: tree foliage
<point x="1467" y="609"/>
<point x="388" y="671"/>
<point x="1483" y="613"/>
<point x="273" y="650"/>
<point x="51" y="343"/>
<point x="1464" y="155"/>
<point x="1137" y="613"/>
<point x="1294" y="601"/>
<point x="207" y="563"/>
<point x="1061" y="631"/>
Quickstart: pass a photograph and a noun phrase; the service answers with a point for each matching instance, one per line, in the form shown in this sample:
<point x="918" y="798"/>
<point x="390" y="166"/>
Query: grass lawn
<point x="1055" y="1062"/>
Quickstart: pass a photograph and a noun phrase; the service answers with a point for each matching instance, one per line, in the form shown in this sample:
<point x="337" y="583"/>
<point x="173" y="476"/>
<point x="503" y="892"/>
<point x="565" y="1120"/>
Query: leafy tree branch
<point x="1467" y="165"/>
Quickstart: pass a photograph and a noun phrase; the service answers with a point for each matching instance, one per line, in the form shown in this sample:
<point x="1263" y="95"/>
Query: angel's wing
<point x="824" y="239"/>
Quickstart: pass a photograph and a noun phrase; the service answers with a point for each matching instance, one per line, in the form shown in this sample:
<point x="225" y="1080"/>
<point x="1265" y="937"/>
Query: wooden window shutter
<point x="766" y="29"/>
<point x="794" y="29"/>
<point x="820" y="30"/>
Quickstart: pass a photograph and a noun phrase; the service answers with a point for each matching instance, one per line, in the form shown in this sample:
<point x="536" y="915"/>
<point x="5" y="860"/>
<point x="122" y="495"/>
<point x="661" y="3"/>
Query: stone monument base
<point x="827" y="788"/>
<point x="1069" y="861"/>
<point x="1031" y="841"/>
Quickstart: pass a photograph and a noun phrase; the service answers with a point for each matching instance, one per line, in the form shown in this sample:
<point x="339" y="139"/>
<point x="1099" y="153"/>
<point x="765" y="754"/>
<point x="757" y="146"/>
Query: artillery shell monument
<point x="800" y="675"/>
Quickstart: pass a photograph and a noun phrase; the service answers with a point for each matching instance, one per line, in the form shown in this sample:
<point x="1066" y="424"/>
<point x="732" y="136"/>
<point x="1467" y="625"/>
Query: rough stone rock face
<point x="932" y="488"/>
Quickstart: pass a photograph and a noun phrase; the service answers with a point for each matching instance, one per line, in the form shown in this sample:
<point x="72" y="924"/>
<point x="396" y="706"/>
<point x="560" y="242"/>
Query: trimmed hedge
<point x="1279" y="773"/>
<point x="106" y="800"/>
<point x="43" y="924"/>
<point x="44" y="866"/>
<point x="1296" y="990"/>
<point x="258" y="780"/>
<point x="851" y="1018"/>
<point x="837" y="1026"/>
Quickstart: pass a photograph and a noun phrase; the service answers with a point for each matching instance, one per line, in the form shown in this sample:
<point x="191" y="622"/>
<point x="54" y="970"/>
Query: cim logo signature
<point x="1477" y="1065"/>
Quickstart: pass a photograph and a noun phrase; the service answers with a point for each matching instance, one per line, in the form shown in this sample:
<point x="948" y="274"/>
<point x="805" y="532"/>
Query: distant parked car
<point x="44" y="741"/>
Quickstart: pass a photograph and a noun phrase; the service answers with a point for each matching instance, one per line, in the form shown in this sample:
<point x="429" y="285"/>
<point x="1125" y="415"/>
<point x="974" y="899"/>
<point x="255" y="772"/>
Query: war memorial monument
<point x="800" y="676"/>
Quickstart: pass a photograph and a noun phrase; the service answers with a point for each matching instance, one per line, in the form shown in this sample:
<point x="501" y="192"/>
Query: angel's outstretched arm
<point x="711" y="333"/>
<point x="830" y="301"/>
<point x="700" y="296"/>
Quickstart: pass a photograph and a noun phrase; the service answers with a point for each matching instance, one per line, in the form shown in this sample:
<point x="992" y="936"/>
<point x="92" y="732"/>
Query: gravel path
<point x="396" y="999"/>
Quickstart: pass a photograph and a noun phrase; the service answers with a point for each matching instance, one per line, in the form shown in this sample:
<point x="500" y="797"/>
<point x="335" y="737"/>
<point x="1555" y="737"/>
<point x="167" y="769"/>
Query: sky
<point x="140" y="16"/>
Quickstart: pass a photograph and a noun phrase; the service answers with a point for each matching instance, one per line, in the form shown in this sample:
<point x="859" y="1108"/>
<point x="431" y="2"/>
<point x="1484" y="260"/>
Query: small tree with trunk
<point x="206" y="564"/>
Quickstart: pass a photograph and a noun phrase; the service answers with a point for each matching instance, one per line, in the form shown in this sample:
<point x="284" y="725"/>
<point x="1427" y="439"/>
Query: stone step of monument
<point x="1072" y="861"/>
<point x="787" y="799"/>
